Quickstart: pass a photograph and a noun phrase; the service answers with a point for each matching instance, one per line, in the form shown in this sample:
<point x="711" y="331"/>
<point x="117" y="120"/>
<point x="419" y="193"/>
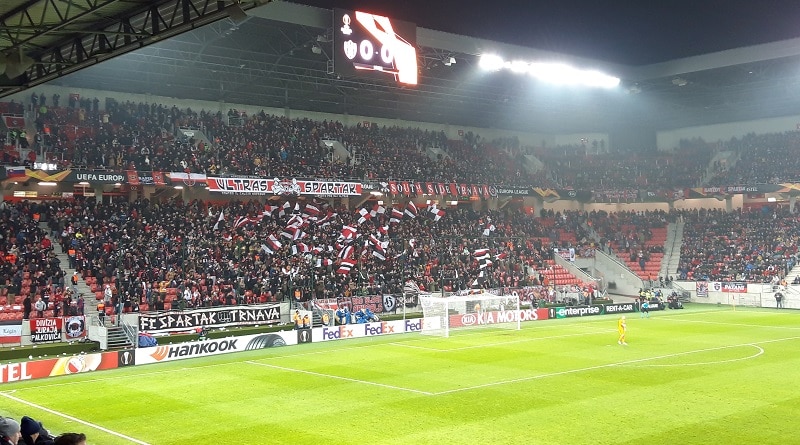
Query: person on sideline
<point x="645" y="310"/>
<point x="778" y="300"/>
<point x="622" y="328"/>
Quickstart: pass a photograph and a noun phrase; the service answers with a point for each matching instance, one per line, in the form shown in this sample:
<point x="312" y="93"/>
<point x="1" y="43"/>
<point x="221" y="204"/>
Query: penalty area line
<point x="74" y="419"/>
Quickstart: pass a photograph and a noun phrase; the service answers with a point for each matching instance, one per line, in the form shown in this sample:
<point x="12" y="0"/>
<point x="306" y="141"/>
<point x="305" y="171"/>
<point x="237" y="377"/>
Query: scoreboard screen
<point x="373" y="45"/>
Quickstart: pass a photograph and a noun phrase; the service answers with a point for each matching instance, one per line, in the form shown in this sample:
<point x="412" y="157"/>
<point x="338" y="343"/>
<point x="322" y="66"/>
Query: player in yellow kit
<point x="622" y="328"/>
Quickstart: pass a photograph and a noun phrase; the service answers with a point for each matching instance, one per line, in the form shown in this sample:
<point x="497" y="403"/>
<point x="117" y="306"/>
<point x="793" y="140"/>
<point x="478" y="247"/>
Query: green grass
<point x="705" y="375"/>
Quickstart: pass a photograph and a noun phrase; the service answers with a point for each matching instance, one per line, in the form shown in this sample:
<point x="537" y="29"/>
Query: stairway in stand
<point x="652" y="266"/>
<point x="117" y="338"/>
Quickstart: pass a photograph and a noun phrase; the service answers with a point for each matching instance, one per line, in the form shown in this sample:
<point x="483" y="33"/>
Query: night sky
<point x="622" y="31"/>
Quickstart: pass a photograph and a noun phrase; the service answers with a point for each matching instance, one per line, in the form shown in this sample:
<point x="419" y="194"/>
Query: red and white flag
<point x="345" y="266"/>
<point x="349" y="232"/>
<point x="481" y="254"/>
<point x="411" y="209"/>
<point x="436" y="212"/>
<point x="220" y="219"/>
<point x="396" y="216"/>
<point x="273" y="243"/>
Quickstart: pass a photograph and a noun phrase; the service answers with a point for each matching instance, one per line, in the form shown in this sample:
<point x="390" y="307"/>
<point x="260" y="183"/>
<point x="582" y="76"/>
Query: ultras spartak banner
<point x="282" y="187"/>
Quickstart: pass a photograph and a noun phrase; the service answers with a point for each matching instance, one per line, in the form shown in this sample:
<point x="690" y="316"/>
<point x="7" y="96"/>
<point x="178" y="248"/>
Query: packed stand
<point x="159" y="255"/>
<point x="763" y="159"/>
<point x="572" y="167"/>
<point x="31" y="278"/>
<point x="128" y="135"/>
<point x="750" y="246"/>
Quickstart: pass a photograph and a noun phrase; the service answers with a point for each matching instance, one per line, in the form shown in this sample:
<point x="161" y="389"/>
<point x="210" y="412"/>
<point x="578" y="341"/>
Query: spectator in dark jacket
<point x="9" y="431"/>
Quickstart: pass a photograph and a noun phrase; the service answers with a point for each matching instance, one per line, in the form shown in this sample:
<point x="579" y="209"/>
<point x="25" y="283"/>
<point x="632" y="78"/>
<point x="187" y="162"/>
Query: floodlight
<point x="491" y="62"/>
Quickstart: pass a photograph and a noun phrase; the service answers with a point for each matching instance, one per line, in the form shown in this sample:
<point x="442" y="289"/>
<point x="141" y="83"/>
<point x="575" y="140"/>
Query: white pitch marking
<point x="319" y="374"/>
<point x="74" y="419"/>
<point x="607" y="365"/>
<point x="759" y="351"/>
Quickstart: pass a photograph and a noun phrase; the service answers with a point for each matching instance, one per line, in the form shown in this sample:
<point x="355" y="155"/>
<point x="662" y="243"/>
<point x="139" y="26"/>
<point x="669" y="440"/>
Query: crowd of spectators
<point x="144" y="248"/>
<point x="628" y="232"/>
<point x="753" y="246"/>
<point x="128" y="135"/>
<point x="769" y="158"/>
<point x="572" y="167"/>
<point x="29" y="269"/>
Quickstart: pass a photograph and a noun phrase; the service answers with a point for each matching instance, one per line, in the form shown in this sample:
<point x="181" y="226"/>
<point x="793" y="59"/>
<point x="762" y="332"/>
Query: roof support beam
<point x="152" y="22"/>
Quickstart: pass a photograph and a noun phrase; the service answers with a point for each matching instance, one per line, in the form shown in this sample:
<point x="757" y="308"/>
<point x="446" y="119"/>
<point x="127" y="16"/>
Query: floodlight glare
<point x="519" y="66"/>
<point x="597" y="79"/>
<point x="556" y="73"/>
<point x="491" y="62"/>
<point x="566" y="75"/>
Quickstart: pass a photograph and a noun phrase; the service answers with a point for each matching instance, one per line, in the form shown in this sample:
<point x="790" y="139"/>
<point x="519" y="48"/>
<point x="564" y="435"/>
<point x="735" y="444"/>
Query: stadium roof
<point x="279" y="56"/>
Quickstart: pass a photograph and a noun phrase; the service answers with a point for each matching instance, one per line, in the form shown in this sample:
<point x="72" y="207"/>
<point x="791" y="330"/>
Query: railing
<point x="619" y="265"/>
<point x="131" y="332"/>
<point x="578" y="272"/>
<point x="685" y="295"/>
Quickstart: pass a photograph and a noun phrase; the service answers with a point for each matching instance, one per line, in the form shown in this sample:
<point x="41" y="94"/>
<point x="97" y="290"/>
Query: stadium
<point x="270" y="222"/>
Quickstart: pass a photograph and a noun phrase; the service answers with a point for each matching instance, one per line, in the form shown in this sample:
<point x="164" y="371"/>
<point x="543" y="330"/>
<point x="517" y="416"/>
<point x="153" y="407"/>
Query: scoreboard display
<point x="375" y="46"/>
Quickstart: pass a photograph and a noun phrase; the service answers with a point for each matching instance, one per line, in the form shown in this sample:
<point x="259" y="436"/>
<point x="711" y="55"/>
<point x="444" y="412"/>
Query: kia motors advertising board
<point x="493" y="317"/>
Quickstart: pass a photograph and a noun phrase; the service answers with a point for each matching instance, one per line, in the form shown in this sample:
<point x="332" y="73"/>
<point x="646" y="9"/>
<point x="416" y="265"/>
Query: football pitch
<point x="704" y="375"/>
